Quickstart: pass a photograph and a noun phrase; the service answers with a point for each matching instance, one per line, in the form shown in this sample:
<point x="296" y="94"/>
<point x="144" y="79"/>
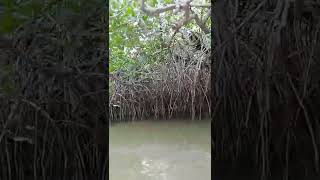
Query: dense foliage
<point x="137" y="41"/>
<point x="156" y="71"/>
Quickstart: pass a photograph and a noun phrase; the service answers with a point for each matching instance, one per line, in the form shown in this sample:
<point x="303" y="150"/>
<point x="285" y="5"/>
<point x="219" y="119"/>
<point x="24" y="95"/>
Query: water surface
<point x="160" y="150"/>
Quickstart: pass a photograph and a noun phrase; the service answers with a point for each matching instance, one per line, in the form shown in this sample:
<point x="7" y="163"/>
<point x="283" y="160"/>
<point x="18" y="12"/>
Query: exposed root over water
<point x="181" y="87"/>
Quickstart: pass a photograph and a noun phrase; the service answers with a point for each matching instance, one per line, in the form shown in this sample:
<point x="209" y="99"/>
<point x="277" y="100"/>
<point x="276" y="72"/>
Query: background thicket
<point x="53" y="87"/>
<point x="155" y="70"/>
<point x="266" y="88"/>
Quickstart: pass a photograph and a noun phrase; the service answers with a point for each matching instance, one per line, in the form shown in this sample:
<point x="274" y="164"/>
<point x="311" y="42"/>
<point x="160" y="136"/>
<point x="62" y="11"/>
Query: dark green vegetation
<point x="266" y="89"/>
<point x="53" y="89"/>
<point x="157" y="72"/>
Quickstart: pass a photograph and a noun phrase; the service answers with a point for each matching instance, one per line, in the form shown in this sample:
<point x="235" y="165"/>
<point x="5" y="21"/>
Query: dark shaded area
<point x="266" y="125"/>
<point x="53" y="96"/>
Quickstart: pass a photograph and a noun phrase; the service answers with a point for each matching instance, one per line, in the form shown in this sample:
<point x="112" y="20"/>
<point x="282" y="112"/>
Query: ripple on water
<point x="162" y="155"/>
<point x="172" y="163"/>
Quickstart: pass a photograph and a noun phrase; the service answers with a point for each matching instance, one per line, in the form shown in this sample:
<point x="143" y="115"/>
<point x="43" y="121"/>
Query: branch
<point x="207" y="16"/>
<point x="38" y="108"/>
<point x="183" y="22"/>
<point x="201" y="5"/>
<point x="181" y="6"/>
<point x="156" y="11"/>
<point x="201" y="24"/>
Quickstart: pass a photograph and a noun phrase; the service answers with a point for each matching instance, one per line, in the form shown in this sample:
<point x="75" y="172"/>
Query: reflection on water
<point x="160" y="151"/>
<point x="154" y="168"/>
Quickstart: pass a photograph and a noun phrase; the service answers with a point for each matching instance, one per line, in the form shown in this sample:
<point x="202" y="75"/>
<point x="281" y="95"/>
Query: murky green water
<point x="175" y="150"/>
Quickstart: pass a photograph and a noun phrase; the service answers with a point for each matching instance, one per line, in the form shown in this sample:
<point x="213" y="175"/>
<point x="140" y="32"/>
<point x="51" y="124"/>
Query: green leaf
<point x="154" y="2"/>
<point x="7" y="87"/>
<point x="145" y="17"/>
<point x="8" y="23"/>
<point x="129" y="11"/>
<point x="9" y="4"/>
